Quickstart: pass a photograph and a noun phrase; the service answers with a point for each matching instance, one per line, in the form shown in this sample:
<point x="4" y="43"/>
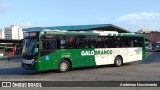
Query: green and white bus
<point x="65" y="50"/>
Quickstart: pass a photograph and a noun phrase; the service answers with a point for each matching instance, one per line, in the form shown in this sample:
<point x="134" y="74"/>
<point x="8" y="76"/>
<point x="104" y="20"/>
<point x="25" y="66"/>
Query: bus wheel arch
<point x="65" y="65"/>
<point x="118" y="61"/>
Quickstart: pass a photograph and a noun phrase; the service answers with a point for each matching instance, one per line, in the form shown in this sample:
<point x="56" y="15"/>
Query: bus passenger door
<point x="48" y="47"/>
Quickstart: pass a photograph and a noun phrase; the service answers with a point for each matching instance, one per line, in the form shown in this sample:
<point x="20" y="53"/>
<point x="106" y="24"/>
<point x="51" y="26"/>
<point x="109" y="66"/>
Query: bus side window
<point x="106" y="43"/>
<point x="52" y="45"/>
<point x="70" y="42"/>
<point x="126" y="42"/>
<point x="100" y="42"/>
<point x="66" y="42"/>
<point x="87" y="42"/>
<point x="93" y="41"/>
<point x="48" y="44"/>
<point x="109" y="42"/>
<point x="138" y="42"/>
<point x="45" y="45"/>
<point x="76" y="42"/>
<point x="80" y="42"/>
<point x="63" y="42"/>
<point x="119" y="42"/>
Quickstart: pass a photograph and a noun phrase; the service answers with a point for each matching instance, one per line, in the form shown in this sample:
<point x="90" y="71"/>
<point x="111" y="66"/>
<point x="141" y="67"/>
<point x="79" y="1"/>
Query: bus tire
<point x="64" y="66"/>
<point x="118" y="61"/>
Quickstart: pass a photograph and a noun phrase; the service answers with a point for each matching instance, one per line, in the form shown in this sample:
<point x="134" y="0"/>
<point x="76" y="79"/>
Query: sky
<point x="132" y="15"/>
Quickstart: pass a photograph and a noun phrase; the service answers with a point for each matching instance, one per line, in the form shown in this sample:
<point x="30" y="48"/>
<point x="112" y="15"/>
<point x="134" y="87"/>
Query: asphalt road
<point x="147" y="70"/>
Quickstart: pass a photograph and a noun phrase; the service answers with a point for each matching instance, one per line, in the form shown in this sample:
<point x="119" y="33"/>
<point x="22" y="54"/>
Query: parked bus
<point x="10" y="51"/>
<point x="157" y="46"/>
<point x="59" y="50"/>
<point x="150" y="46"/>
<point x="7" y="51"/>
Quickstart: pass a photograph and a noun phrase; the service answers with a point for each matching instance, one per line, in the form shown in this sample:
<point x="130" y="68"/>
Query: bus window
<point x="81" y="42"/>
<point x="126" y="41"/>
<point x="70" y="42"/>
<point x="63" y="42"/>
<point x="67" y="42"/>
<point x="109" y="42"/>
<point x="86" y="42"/>
<point x="49" y="44"/>
<point x="137" y="42"/>
<point x="99" y="42"/>
<point x="120" y="42"/>
<point x="93" y="41"/>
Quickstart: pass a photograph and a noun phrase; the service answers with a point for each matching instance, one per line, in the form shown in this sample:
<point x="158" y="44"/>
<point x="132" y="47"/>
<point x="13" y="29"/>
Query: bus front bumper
<point x="28" y="64"/>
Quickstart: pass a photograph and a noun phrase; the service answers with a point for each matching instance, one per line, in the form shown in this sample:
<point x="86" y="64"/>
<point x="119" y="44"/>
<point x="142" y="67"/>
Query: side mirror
<point x="36" y="50"/>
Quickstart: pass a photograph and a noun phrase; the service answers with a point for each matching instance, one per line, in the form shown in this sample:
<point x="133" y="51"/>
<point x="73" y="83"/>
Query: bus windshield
<point x="30" y="46"/>
<point x="9" y="49"/>
<point x="158" y="44"/>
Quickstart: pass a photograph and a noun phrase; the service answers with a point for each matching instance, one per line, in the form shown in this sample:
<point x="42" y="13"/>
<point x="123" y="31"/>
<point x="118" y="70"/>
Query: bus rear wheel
<point x="118" y="61"/>
<point x="64" y="66"/>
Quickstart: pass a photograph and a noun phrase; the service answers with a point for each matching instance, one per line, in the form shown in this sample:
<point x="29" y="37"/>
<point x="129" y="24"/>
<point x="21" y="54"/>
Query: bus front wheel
<point x="118" y="61"/>
<point x="64" y="66"/>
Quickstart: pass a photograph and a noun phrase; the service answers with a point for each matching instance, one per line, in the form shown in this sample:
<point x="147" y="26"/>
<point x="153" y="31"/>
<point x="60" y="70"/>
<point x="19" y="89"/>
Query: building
<point x="13" y="32"/>
<point x="144" y="31"/>
<point x="2" y="35"/>
<point x="93" y="27"/>
<point x="11" y="37"/>
<point x="153" y="36"/>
